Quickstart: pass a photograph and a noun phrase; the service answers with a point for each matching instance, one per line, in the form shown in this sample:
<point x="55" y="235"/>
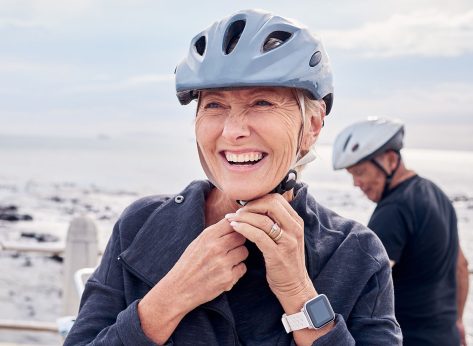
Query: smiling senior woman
<point x="247" y="257"/>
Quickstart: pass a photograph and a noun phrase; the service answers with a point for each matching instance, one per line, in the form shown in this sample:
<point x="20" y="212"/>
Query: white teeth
<point x="246" y="157"/>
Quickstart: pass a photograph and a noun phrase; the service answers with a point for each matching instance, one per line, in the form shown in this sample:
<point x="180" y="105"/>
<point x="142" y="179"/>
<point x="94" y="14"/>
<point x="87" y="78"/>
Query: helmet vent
<point x="200" y="45"/>
<point x="346" y="142"/>
<point x="232" y="36"/>
<point x="355" y="147"/>
<point x="315" y="59"/>
<point x="275" y="39"/>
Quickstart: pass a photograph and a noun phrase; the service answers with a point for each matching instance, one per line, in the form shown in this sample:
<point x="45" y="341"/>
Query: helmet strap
<point x="287" y="184"/>
<point x="389" y="176"/>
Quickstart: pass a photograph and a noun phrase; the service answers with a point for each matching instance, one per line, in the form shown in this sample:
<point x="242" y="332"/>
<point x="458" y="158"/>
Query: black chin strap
<point x="287" y="184"/>
<point x="389" y="177"/>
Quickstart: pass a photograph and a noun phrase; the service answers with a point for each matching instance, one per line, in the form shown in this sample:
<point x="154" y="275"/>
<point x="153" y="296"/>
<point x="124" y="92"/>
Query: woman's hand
<point x="284" y="257"/>
<point x="210" y="265"/>
<point x="284" y="254"/>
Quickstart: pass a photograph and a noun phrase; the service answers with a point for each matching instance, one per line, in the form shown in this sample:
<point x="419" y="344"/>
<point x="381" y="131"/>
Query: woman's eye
<point x="263" y="103"/>
<point x="212" y="105"/>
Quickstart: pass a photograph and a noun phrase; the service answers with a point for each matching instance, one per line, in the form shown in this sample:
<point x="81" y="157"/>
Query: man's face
<point x="369" y="179"/>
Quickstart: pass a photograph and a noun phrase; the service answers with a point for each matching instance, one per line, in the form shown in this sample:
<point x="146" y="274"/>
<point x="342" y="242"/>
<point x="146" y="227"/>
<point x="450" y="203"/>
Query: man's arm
<point x="462" y="291"/>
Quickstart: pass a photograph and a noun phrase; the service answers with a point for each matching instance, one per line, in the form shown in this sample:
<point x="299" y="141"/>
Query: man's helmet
<point x="365" y="140"/>
<point x="253" y="48"/>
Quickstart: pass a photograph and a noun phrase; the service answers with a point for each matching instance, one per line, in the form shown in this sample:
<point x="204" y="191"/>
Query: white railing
<point x="80" y="253"/>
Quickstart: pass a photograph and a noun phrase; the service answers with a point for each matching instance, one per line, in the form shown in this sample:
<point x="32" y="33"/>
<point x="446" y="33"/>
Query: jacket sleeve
<point x="368" y="324"/>
<point x="372" y="320"/>
<point x="104" y="318"/>
<point x="339" y="335"/>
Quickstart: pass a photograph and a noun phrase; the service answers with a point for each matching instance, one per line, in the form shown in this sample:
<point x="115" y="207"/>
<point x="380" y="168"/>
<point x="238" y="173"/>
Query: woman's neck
<point x="217" y="205"/>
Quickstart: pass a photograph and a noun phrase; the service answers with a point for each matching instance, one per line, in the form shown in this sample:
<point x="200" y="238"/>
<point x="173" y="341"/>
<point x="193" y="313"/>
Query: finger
<point x="272" y="206"/>
<point x="285" y="204"/>
<point x="273" y="200"/>
<point x="255" y="235"/>
<point x="218" y="229"/>
<point x="260" y="221"/>
<point x="237" y="255"/>
<point x="232" y="240"/>
<point x="238" y="271"/>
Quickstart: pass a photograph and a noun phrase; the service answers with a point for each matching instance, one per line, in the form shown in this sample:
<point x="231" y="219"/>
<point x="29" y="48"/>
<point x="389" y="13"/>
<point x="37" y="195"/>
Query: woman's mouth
<point x="248" y="158"/>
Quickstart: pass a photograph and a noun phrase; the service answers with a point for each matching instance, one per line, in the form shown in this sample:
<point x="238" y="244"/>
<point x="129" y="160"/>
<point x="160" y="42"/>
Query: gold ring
<point x="279" y="236"/>
<point x="275" y="232"/>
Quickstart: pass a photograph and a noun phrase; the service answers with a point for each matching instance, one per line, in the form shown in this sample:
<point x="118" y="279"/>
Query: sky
<point x="103" y="67"/>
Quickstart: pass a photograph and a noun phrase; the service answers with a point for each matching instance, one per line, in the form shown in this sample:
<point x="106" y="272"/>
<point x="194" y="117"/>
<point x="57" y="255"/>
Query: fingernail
<point x="230" y="216"/>
<point x="238" y="211"/>
<point x="234" y="224"/>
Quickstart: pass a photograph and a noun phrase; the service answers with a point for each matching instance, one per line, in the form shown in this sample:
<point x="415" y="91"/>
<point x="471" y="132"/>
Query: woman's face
<point x="248" y="138"/>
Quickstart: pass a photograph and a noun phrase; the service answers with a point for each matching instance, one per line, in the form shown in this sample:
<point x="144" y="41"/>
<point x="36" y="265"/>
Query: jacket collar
<point x="167" y="232"/>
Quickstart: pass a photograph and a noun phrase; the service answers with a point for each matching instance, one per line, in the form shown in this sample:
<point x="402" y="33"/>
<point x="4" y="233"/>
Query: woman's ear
<point x="316" y="116"/>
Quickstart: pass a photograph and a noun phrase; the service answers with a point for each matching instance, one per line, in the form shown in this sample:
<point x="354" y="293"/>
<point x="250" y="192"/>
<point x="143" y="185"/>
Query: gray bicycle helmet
<point x="365" y="140"/>
<point x="253" y="48"/>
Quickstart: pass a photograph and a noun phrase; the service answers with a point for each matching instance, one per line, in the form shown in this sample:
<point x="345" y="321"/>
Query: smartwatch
<point x="315" y="314"/>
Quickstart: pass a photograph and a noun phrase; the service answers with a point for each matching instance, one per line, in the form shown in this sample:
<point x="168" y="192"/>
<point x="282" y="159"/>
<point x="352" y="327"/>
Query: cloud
<point x="15" y="23"/>
<point x="435" y="102"/>
<point x="53" y="9"/>
<point x="18" y="65"/>
<point x="436" y="116"/>
<point x="132" y="82"/>
<point x="75" y="79"/>
<point x="430" y="33"/>
<point x="106" y="119"/>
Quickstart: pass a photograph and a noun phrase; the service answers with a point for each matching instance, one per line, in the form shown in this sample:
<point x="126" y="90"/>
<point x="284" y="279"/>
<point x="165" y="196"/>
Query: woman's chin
<point x="244" y="193"/>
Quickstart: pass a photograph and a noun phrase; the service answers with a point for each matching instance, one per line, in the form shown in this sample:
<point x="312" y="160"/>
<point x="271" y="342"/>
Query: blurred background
<point x="89" y="120"/>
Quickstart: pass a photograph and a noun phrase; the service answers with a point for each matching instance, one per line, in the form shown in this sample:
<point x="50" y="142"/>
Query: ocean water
<point x="107" y="173"/>
<point x="167" y="162"/>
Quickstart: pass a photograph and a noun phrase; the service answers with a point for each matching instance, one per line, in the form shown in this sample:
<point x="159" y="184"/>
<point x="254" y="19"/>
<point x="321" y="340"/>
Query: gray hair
<point x="309" y="107"/>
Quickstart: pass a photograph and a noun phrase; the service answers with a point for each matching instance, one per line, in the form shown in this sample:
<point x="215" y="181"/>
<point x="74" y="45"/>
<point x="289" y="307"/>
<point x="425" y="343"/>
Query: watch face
<point x="320" y="311"/>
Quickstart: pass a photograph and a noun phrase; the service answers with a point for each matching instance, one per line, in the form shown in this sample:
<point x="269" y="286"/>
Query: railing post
<point x="81" y="251"/>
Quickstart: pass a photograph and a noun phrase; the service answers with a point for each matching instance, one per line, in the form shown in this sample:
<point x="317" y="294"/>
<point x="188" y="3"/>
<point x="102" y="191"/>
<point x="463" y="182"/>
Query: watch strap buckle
<point x="295" y="321"/>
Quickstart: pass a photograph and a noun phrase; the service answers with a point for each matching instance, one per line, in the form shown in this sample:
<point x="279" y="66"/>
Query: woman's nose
<point x="235" y="127"/>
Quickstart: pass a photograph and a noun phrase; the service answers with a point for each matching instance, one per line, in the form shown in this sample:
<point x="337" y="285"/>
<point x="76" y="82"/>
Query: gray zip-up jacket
<point x="344" y="259"/>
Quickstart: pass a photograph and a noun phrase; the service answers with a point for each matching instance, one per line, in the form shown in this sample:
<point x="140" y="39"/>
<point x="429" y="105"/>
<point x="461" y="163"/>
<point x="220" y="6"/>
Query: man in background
<point x="417" y="224"/>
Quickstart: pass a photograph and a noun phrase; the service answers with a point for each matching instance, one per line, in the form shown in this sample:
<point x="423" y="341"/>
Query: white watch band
<point x="295" y="321"/>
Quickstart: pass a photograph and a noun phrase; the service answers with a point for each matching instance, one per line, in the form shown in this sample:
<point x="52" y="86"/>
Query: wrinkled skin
<point x="259" y="119"/>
